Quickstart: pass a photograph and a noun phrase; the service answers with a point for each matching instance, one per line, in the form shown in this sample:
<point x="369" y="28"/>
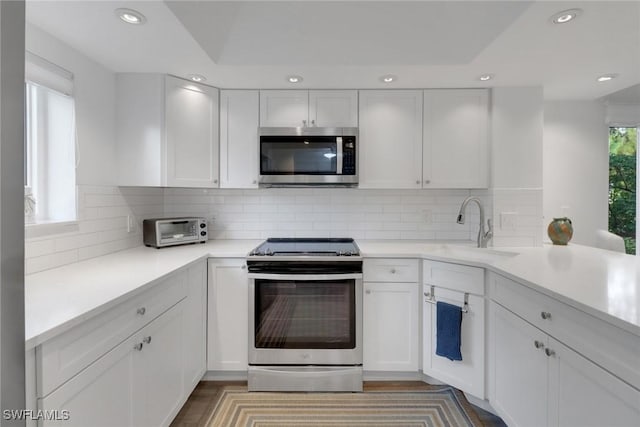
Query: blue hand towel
<point x="448" y="323"/>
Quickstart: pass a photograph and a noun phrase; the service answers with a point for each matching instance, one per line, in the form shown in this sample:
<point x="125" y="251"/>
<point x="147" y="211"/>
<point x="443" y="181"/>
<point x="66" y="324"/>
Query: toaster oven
<point x="161" y="232"/>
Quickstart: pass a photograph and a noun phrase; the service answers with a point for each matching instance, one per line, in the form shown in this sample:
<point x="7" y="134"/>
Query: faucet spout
<point x="483" y="236"/>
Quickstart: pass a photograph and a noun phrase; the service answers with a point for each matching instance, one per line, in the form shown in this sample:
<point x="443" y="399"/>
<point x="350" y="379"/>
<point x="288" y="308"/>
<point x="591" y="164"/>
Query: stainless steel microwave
<point x="308" y="156"/>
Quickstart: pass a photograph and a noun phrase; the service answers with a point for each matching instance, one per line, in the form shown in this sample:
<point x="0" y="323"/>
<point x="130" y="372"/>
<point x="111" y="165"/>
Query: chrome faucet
<point x="483" y="237"/>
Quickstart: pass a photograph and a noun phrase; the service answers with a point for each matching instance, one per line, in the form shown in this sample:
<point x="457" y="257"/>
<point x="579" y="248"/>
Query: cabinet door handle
<point x="243" y="267"/>
<point x="215" y="181"/>
<point x="304" y="123"/>
<point x="367" y="292"/>
<point x="313" y="122"/>
<point x="427" y="181"/>
<point x="146" y="340"/>
<point x="538" y="344"/>
<point x="255" y="181"/>
<point x="393" y="271"/>
<point x="549" y="352"/>
<point x="141" y="311"/>
<point x="138" y="346"/>
<point x="545" y="315"/>
<point x="417" y="181"/>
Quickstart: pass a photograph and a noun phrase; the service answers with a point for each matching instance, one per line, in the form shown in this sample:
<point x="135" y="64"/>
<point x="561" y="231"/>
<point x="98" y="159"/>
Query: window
<point x="50" y="147"/>
<point x="623" y="179"/>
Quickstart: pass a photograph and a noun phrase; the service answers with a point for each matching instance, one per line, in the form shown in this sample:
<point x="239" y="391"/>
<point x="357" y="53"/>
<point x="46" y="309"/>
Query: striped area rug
<point x="441" y="407"/>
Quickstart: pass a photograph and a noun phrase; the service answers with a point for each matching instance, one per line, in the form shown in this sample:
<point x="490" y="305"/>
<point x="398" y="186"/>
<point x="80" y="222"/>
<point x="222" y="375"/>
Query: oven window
<point x="294" y="155"/>
<point x="305" y="314"/>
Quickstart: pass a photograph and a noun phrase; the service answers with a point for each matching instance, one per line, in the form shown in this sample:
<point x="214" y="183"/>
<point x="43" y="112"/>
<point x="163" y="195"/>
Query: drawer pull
<point x="146" y="340"/>
<point x="138" y="346"/>
<point x="367" y="292"/>
<point x="141" y="311"/>
<point x="549" y="352"/>
<point x="545" y="315"/>
<point x="393" y="271"/>
<point x="538" y="344"/>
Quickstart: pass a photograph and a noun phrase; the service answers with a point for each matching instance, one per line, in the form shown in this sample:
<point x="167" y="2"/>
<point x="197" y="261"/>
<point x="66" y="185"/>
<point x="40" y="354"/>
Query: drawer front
<point x="64" y="356"/>
<point x="610" y="347"/>
<point x="390" y="270"/>
<point x="453" y="276"/>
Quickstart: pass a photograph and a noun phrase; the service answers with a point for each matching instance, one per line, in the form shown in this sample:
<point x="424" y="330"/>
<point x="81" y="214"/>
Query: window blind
<point x="45" y="73"/>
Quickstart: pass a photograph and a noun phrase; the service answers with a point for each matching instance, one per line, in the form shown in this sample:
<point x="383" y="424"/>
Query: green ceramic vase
<point x="560" y="231"/>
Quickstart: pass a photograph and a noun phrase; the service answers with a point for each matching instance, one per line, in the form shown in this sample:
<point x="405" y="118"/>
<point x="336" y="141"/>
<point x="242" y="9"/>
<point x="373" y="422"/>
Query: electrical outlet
<point x="131" y="224"/>
<point x="508" y="220"/>
<point x="427" y="217"/>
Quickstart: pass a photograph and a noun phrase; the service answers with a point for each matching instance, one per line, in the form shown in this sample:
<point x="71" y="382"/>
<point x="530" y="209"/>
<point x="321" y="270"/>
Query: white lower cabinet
<point x="450" y="283"/>
<point x="195" y="327"/>
<point x="520" y="380"/>
<point x="390" y="327"/>
<point x="144" y="378"/>
<point x="228" y="315"/>
<point x="539" y="381"/>
<point x="138" y="383"/>
<point x="390" y="315"/>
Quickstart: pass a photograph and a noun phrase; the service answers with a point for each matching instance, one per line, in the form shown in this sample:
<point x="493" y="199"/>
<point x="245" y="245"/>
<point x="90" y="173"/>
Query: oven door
<point x="305" y="319"/>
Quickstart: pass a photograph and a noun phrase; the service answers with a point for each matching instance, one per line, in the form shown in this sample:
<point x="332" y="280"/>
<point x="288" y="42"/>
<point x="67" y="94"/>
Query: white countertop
<point x="58" y="299"/>
<point x="602" y="283"/>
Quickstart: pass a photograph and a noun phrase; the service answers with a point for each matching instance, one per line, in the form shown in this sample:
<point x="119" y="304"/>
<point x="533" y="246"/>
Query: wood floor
<point x="198" y="407"/>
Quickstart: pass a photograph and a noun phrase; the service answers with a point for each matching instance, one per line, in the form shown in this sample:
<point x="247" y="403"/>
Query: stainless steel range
<point x="305" y="315"/>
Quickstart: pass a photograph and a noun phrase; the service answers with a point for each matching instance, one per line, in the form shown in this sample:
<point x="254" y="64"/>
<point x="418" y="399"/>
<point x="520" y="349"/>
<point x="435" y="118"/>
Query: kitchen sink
<point x="471" y="253"/>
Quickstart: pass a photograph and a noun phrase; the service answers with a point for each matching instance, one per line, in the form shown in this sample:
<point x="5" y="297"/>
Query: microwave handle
<point x="179" y="222"/>
<point x="339" y="155"/>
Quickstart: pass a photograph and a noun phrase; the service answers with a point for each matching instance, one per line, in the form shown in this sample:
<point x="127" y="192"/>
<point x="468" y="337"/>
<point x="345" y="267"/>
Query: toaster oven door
<point x="178" y="231"/>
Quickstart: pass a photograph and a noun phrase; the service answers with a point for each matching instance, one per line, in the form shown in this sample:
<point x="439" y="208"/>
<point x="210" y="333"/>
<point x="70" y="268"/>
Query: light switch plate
<point x="508" y="220"/>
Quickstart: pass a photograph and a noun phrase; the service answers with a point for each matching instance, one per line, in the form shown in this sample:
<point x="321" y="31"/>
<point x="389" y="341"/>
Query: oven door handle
<point x="305" y="277"/>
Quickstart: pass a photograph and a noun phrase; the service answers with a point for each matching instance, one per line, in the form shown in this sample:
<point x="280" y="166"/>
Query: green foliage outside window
<point x="622" y="185"/>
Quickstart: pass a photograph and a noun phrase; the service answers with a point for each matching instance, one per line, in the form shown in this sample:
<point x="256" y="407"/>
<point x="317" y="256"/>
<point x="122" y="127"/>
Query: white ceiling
<point x="350" y="44"/>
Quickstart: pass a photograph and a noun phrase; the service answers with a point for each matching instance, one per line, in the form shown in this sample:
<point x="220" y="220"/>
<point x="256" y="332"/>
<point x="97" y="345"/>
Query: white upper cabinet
<point x="167" y="131"/>
<point x="239" y="115"/>
<point x="284" y="108"/>
<point x="333" y="108"/>
<point x="191" y="114"/>
<point x="390" y="139"/>
<point x="300" y="108"/>
<point x="455" y="151"/>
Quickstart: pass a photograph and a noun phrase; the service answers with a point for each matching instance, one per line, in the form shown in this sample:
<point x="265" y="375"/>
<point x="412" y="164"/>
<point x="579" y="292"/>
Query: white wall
<point x="516" y="165"/>
<point x="95" y="106"/>
<point x="516" y="136"/>
<point x="576" y="166"/>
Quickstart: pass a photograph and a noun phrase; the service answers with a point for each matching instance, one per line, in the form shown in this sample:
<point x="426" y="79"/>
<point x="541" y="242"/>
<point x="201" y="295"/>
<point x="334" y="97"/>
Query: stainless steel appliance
<point x="308" y="156"/>
<point x="305" y="315"/>
<point x="161" y="232"/>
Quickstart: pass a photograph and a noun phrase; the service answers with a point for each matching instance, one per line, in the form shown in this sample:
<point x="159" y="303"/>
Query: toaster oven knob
<point x="203" y="233"/>
<point x="203" y="225"/>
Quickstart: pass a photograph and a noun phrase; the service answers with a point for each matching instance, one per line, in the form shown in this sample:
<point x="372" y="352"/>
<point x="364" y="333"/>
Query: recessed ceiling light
<point x="196" y="78"/>
<point x="485" y="77"/>
<point x="388" y="78"/>
<point x="606" y="77"/>
<point x="294" y="79"/>
<point x="131" y="16"/>
<point x="566" y="16"/>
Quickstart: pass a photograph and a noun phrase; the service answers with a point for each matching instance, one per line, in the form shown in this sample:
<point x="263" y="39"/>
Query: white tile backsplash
<point x="327" y="212"/>
<point x="526" y="205"/>
<point x="102" y="226"/>
<point x="286" y="212"/>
